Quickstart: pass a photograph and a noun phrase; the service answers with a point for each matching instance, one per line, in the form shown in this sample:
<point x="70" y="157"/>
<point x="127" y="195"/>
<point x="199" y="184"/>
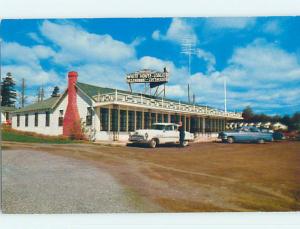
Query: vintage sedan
<point x="160" y="133"/>
<point x="246" y="134"/>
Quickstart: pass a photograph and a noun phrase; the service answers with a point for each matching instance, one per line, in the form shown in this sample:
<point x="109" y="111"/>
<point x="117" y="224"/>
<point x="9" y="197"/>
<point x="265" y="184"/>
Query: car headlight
<point x="146" y="135"/>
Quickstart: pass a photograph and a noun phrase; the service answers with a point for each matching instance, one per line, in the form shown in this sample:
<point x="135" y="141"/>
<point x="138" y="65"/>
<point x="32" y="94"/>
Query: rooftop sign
<point x="148" y="76"/>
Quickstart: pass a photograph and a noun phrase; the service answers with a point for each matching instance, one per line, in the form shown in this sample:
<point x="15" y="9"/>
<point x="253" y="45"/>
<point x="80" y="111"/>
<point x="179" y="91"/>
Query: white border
<point x="150" y="8"/>
<point x="145" y="8"/>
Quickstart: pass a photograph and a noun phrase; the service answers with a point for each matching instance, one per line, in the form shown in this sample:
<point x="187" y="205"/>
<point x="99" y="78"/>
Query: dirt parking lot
<point x="201" y="177"/>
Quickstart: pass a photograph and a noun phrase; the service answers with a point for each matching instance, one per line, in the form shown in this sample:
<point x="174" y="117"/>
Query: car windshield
<point x="158" y="127"/>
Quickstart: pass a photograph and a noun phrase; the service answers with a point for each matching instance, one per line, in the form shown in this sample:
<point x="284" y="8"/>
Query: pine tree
<point x="55" y="92"/>
<point x="8" y="91"/>
<point x="248" y="114"/>
<point x="23" y="97"/>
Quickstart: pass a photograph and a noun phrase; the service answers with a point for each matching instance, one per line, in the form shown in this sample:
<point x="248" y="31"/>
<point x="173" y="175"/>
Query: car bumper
<point x="138" y="139"/>
<point x="222" y="137"/>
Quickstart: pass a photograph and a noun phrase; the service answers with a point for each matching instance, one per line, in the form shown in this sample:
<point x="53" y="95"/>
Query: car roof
<point x="165" y="124"/>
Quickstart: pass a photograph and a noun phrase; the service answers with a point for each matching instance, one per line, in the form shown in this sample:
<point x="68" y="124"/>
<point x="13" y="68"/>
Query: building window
<point x="123" y="120"/>
<point x="104" y="119"/>
<point x="182" y="119"/>
<point x="159" y="118"/>
<point x="18" y="120"/>
<point x="114" y="120"/>
<point x="130" y="120"/>
<point x="47" y="118"/>
<point x="89" y="117"/>
<point x="26" y="120"/>
<point x="166" y="118"/>
<point x="61" y="118"/>
<point x="177" y="118"/>
<point x="36" y="119"/>
<point x="172" y="118"/>
<point x="139" y="120"/>
<point x="153" y="118"/>
<point x="146" y="120"/>
<point x="194" y="125"/>
<point x="187" y="124"/>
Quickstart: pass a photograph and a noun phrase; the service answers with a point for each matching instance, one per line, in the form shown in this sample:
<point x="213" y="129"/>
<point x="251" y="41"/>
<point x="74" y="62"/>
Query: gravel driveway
<point x="38" y="182"/>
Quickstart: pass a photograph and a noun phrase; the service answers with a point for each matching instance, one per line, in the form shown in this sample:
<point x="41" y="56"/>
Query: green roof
<point x="46" y="104"/>
<point x="5" y="108"/>
<point x="92" y="90"/>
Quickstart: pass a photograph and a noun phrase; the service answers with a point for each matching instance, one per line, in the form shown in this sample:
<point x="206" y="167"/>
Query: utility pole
<point x="189" y="100"/>
<point x="225" y="95"/>
<point x="42" y="93"/>
<point x="39" y="94"/>
<point x="188" y="48"/>
<point x="23" y="93"/>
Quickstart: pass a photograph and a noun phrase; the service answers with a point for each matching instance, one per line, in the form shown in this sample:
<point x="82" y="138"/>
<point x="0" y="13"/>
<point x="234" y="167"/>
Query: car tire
<point x="230" y="140"/>
<point x="152" y="143"/>
<point x="261" y="141"/>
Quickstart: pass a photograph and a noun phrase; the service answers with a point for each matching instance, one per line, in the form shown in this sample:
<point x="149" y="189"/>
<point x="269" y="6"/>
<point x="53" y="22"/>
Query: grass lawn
<point x="19" y="136"/>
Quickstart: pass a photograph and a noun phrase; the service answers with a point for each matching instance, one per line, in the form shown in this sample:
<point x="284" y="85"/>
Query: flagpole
<point x="225" y="96"/>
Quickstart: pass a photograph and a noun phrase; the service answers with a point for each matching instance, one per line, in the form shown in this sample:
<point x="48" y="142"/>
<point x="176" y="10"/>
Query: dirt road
<point x="38" y="182"/>
<point x="201" y="177"/>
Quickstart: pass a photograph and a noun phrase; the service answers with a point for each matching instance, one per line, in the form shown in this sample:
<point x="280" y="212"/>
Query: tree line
<point x="292" y="121"/>
<point x="9" y="93"/>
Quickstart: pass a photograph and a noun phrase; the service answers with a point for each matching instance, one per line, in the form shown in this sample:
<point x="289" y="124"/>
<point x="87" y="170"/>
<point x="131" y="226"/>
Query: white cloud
<point x="35" y="37"/>
<point x="176" y="91"/>
<point x="265" y="62"/>
<point x="12" y="51"/>
<point x="255" y="72"/>
<point x="272" y="27"/>
<point x="178" y="30"/>
<point x="43" y="52"/>
<point x="230" y="22"/>
<point x="208" y="57"/>
<point x="156" y="35"/>
<point x="24" y="62"/>
<point x="137" y="41"/>
<point x="76" y="45"/>
<point x="33" y="75"/>
<point x="259" y="74"/>
<point x="103" y="75"/>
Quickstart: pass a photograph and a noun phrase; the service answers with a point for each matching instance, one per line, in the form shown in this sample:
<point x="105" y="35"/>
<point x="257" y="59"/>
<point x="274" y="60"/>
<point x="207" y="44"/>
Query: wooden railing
<point x="152" y="103"/>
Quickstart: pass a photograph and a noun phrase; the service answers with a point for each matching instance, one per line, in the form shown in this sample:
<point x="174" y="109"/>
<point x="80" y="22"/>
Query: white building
<point x="110" y="114"/>
<point x="6" y="114"/>
<point x="279" y="126"/>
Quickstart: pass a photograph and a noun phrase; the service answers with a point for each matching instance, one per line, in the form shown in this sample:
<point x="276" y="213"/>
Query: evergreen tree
<point x="248" y="114"/>
<point x="8" y="91"/>
<point x="55" y="91"/>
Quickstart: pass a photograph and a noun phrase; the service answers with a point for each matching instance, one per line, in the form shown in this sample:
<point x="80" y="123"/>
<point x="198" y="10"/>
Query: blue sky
<point x="260" y="57"/>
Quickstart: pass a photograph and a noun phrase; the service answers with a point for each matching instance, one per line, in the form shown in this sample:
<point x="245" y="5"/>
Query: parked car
<point x="246" y="134"/>
<point x="160" y="133"/>
<point x="278" y="136"/>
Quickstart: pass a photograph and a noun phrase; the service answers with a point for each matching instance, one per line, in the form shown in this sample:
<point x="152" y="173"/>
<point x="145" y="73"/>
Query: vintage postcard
<point x="138" y="115"/>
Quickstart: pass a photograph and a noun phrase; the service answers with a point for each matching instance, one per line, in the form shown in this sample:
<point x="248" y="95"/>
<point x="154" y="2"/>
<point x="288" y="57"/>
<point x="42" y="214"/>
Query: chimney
<point x="71" y="124"/>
